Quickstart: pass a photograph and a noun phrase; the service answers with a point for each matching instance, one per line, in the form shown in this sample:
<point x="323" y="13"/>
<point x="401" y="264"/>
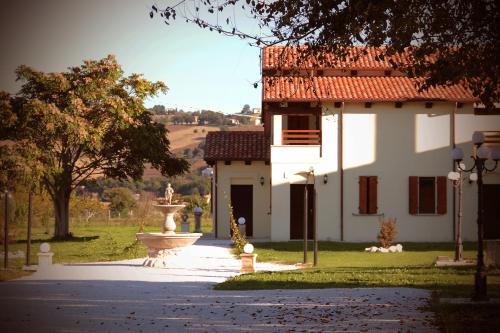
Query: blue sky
<point x="202" y="69"/>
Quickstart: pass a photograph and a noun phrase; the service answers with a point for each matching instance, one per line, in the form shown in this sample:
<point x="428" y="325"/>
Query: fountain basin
<point x="164" y="247"/>
<point x="166" y="241"/>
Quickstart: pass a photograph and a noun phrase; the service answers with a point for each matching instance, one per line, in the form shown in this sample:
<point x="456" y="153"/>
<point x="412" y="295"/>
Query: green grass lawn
<point x="101" y="241"/>
<point x="346" y="265"/>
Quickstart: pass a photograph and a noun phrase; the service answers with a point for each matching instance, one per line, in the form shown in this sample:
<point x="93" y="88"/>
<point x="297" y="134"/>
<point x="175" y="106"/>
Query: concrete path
<point x="125" y="297"/>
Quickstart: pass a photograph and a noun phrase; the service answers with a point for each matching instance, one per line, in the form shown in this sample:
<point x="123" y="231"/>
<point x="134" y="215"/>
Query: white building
<point x="377" y="147"/>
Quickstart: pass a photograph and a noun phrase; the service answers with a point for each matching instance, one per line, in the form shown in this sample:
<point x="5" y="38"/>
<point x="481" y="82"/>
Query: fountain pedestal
<point x="164" y="246"/>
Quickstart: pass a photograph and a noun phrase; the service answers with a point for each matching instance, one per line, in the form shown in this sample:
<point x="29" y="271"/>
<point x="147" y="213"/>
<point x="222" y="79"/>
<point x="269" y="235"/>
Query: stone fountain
<point x="164" y="246"/>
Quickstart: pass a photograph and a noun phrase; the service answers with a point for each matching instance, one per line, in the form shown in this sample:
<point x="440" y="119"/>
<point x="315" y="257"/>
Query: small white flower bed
<point x="390" y="249"/>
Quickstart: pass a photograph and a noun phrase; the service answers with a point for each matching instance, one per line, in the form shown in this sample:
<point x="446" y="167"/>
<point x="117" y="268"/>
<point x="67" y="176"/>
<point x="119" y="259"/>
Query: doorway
<point x="242" y="201"/>
<point x="297" y="211"/>
<point x="491" y="195"/>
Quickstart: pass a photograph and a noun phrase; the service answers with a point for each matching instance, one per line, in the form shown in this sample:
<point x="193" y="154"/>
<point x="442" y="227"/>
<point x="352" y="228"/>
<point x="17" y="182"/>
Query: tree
<point x="121" y="200"/>
<point x="85" y="206"/>
<point x="89" y="120"/>
<point x="246" y="109"/>
<point x="159" y="110"/>
<point x="444" y="41"/>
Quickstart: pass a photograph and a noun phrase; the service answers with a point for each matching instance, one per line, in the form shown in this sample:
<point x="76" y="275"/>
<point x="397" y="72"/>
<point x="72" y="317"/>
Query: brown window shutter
<point x="363" y="187"/>
<point x="441" y="195"/>
<point x="413" y="195"/>
<point x="372" y="195"/>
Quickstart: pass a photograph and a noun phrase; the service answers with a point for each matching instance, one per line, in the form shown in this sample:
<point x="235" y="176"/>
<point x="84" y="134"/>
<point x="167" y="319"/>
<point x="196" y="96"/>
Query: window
<point x="427" y="195"/>
<point x="368" y="195"/>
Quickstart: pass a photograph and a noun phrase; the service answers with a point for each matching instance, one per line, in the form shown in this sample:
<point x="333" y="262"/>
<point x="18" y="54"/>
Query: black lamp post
<point x="306" y="175"/>
<point x="482" y="154"/>
<point x="458" y="179"/>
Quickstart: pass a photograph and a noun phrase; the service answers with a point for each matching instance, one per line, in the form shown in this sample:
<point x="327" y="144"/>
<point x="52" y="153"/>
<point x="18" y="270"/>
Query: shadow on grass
<point x="78" y="239"/>
<point x="447" y="281"/>
<point x="294" y="246"/>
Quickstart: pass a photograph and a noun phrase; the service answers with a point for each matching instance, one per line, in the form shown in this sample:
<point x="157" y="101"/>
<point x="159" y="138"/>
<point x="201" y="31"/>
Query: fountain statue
<point x="162" y="247"/>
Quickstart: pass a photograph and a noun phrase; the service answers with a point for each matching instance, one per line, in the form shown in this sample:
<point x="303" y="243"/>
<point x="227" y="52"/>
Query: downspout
<point x="216" y="191"/>
<point x="341" y="168"/>
<point x="453" y="145"/>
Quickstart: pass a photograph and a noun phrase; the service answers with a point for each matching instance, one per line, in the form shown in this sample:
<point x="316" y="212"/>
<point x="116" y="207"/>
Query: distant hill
<point x="182" y="137"/>
<point x="190" y="136"/>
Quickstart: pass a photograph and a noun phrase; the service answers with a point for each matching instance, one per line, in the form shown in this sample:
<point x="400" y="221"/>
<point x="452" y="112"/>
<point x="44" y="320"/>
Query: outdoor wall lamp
<point x="262" y="181"/>
<point x="325" y="179"/>
<point x="480" y="168"/>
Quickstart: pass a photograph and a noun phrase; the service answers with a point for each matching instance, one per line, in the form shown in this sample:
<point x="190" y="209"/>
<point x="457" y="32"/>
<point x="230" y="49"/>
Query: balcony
<point x="300" y="137"/>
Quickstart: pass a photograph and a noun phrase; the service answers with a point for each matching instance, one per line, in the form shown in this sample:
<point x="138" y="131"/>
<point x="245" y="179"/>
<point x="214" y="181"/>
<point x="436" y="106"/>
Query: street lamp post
<point x="306" y="175"/>
<point x="458" y="179"/>
<point x="480" y="158"/>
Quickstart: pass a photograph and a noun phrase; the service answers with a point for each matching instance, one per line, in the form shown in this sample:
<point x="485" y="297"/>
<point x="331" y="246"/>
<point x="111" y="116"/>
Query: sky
<point x="202" y="69"/>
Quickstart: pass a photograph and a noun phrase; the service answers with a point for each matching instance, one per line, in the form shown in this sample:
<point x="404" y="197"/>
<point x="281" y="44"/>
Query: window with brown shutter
<point x="441" y="184"/>
<point x="427" y="195"/>
<point x="368" y="195"/>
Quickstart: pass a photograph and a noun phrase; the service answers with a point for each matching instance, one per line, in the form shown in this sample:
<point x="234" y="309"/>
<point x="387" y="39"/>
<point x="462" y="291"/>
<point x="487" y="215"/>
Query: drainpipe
<point x="341" y="168"/>
<point x="452" y="139"/>
<point x="216" y="197"/>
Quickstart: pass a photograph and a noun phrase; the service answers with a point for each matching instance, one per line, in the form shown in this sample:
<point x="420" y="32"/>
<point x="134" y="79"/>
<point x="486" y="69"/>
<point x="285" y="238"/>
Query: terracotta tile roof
<point x="357" y="89"/>
<point x="253" y="128"/>
<point x="237" y="146"/>
<point x="281" y="57"/>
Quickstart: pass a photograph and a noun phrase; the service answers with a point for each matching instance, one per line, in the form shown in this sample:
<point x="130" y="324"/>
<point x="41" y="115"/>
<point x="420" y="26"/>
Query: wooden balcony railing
<point x="301" y="137"/>
<point x="491" y="138"/>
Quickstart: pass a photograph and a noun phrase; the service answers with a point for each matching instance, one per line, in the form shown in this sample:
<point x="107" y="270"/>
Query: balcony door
<point x="298" y="122"/>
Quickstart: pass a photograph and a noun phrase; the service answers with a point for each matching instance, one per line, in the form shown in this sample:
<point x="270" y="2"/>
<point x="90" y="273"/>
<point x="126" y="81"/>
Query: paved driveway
<point x="125" y="297"/>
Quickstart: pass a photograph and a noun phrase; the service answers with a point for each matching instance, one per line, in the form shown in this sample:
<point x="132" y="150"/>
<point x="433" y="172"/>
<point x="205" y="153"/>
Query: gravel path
<point x="125" y="297"/>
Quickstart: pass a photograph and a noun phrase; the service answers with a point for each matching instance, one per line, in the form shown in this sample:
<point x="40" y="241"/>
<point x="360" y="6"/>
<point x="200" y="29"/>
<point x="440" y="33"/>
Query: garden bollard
<point x="242" y="226"/>
<point x="185" y="223"/>
<point x="197" y="219"/>
<point x="44" y="256"/>
<point x="248" y="259"/>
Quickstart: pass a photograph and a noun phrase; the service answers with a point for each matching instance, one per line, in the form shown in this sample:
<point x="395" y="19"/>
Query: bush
<point x="388" y="232"/>
<point x="121" y="200"/>
<point x="239" y="240"/>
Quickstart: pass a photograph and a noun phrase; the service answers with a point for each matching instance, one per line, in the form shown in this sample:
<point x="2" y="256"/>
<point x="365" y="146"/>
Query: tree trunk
<point x="61" y="209"/>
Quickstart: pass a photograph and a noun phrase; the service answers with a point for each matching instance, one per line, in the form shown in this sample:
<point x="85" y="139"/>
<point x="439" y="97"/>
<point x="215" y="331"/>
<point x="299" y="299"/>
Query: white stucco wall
<point x="240" y="174"/>
<point x="387" y="142"/>
<point x="287" y="161"/>
<point x="390" y="143"/>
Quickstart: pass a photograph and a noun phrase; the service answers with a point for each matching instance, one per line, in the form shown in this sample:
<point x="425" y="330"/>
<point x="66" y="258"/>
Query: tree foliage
<point x="446" y="41"/>
<point x="121" y="200"/>
<point x="89" y="120"/>
<point x="246" y="109"/>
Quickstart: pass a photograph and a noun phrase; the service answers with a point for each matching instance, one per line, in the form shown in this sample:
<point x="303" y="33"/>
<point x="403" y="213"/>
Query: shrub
<point x="237" y="238"/>
<point x="388" y="232"/>
<point x="121" y="200"/>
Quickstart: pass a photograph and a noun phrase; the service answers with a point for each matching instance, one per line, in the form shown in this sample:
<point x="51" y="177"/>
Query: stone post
<point x="185" y="223"/>
<point x="197" y="219"/>
<point x="241" y="226"/>
<point x="44" y="256"/>
<point x="248" y="261"/>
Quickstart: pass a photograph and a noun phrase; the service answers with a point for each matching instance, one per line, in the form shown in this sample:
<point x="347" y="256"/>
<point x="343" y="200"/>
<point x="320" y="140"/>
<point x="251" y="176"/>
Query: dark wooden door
<point x="242" y="201"/>
<point x="298" y="122"/>
<point x="297" y="211"/>
<point x="491" y="195"/>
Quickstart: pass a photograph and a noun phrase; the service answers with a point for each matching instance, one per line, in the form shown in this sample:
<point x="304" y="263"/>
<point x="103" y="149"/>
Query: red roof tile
<point x="357" y="89"/>
<point x="281" y="57"/>
<point x="237" y="145"/>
